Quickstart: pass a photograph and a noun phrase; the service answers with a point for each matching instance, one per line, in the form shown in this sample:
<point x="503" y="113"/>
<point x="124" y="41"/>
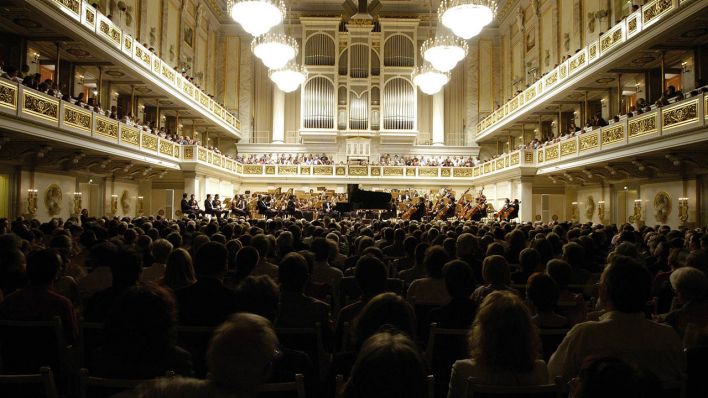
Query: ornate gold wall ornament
<point x="143" y="56"/>
<point x="376" y="171"/>
<point x="641" y="126"/>
<point x="552" y="78"/>
<point x="410" y="172"/>
<point x="475" y="172"/>
<point x="53" y="199"/>
<point x="322" y="170"/>
<point x="655" y="9"/>
<point x="165" y="147"/>
<point x="73" y="5"/>
<point x="528" y="157"/>
<point x="125" y="202"/>
<point x="41" y="107"/>
<point x="270" y="169"/>
<point x="514" y="159"/>
<point x="552" y="153"/>
<point x="168" y="73"/>
<point x="678" y="116"/>
<point x="612" y="134"/>
<point x="577" y="62"/>
<point x="287" y="170"/>
<point x="90" y="17"/>
<point x="393" y="171"/>
<point x="427" y="172"/>
<point x="568" y="148"/>
<point x="358" y="171"/>
<point x="499" y="163"/>
<point x="202" y="154"/>
<point x="592" y="51"/>
<point x="106" y="127"/>
<point x="487" y="168"/>
<point x="252" y="169"/>
<point x="188" y="153"/>
<point x="632" y="25"/>
<point x="77" y="118"/>
<point x="445" y="172"/>
<point x="150" y="142"/>
<point x="464" y="172"/>
<point x="217" y="163"/>
<point x="610" y="40"/>
<point x="662" y="206"/>
<point x="530" y="93"/>
<point x="589" y="207"/>
<point x="539" y="156"/>
<point x="588" y="142"/>
<point x="8" y="96"/>
<point x="562" y="71"/>
<point x="129" y="135"/>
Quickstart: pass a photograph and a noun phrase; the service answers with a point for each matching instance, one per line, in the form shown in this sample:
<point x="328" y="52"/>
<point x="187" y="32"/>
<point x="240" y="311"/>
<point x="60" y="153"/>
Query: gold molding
<point x="40" y="106"/>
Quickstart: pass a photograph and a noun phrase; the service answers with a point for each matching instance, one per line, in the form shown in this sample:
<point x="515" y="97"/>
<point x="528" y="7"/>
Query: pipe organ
<point x="359" y="76"/>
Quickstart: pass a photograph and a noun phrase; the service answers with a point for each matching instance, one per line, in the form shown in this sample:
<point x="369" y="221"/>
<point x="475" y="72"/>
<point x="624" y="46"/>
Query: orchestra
<point x="406" y="205"/>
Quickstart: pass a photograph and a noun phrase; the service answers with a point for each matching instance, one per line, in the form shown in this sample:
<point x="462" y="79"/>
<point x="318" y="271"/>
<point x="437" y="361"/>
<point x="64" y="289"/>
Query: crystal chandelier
<point x="429" y="79"/>
<point x="444" y="52"/>
<point x="466" y="18"/>
<point x="257" y="16"/>
<point x="289" y="77"/>
<point x="274" y="49"/>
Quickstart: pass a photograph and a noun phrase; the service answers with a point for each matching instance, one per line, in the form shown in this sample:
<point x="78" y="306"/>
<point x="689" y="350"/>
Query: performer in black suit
<point x="515" y="210"/>
<point x="216" y="204"/>
<point x="291" y="208"/>
<point x="239" y="207"/>
<point x="209" y="207"/>
<point x="263" y="207"/>
<point x="420" y="210"/>
<point x="185" y="207"/>
<point x="328" y="208"/>
<point x="194" y="205"/>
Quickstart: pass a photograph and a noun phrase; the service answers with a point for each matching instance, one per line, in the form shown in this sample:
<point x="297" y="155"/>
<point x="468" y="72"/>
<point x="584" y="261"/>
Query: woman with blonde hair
<point x="504" y="347"/>
<point x="179" y="272"/>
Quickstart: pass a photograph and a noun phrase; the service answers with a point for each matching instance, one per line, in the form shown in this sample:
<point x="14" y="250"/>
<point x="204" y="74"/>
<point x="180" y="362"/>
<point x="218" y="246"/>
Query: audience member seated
<point x="570" y="305"/>
<point x="322" y="271"/>
<point x="125" y="273"/>
<point x="691" y="303"/>
<point x="504" y="347"/>
<point x="495" y="271"/>
<point x="100" y="259"/>
<point x="263" y="267"/>
<point x="623" y="330"/>
<point x="542" y="294"/>
<point x="140" y="337"/>
<point x="179" y="271"/>
<point x="160" y="250"/>
<point x="529" y="262"/>
<point x="38" y="301"/>
<point x="389" y="365"/>
<point x="431" y="289"/>
<point x="417" y="271"/>
<point x="459" y="313"/>
<point x="602" y="377"/>
<point x="207" y="302"/>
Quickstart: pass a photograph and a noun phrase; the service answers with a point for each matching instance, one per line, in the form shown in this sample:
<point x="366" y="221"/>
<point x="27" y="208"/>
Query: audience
<point x="179" y="271"/>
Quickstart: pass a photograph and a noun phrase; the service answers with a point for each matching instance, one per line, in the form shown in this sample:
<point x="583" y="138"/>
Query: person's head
<point x="261" y="243"/>
<point x="574" y="254"/>
<point x="101" y="255"/>
<point x="179" y="272"/>
<point x="211" y="260"/>
<point x="459" y="279"/>
<point x="384" y="309"/>
<point x="503" y="337"/>
<point x="435" y="259"/>
<point x="495" y="270"/>
<point x="43" y="267"/>
<point x="160" y="250"/>
<point x="321" y="248"/>
<point x="542" y="292"/>
<point x="602" y="377"/>
<point x="372" y="375"/>
<point x="293" y="272"/>
<point x="142" y="322"/>
<point x="370" y="275"/>
<point x="689" y="283"/>
<point x="241" y="353"/>
<point x="625" y="285"/>
<point x="258" y="295"/>
<point x="529" y="260"/>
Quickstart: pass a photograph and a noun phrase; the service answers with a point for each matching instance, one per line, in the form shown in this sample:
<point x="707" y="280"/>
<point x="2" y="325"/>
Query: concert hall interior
<point x="449" y="115"/>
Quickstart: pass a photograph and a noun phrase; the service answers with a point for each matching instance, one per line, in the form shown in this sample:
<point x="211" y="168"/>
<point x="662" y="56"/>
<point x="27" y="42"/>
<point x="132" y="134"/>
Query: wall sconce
<point x="95" y="93"/>
<point x="683" y="210"/>
<point x="114" y="205"/>
<point x="35" y="58"/>
<point x="31" y="202"/>
<point x="601" y="211"/>
<point x="574" y="212"/>
<point x="685" y="67"/>
<point x="77" y="203"/>
<point x="139" y="207"/>
<point x="637" y="217"/>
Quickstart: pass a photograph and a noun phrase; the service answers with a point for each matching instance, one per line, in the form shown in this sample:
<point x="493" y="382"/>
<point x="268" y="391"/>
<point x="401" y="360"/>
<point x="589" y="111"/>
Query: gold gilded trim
<point x="340" y="170"/>
<point x="462" y="172"/>
<point x="410" y="172"/>
<point x="514" y="159"/>
<point x="322" y="170"/>
<point x="41" y="107"/>
<point x="613" y="134"/>
<point x="568" y="147"/>
<point x="8" y="95"/>
<point x="680" y="115"/>
<point x="427" y="172"/>
<point x="642" y="126"/>
<point x="165" y="147"/>
<point x="305" y="170"/>
<point x="106" y="127"/>
<point x="445" y="172"/>
<point x="650" y="12"/>
<point x="252" y="169"/>
<point x="270" y="170"/>
<point x="588" y="142"/>
<point x="552" y="153"/>
<point x="73" y="5"/>
<point x="287" y="170"/>
<point x="392" y="171"/>
<point x="188" y="153"/>
<point x="358" y="171"/>
<point x="499" y="164"/>
<point x="77" y="118"/>
<point x="149" y="142"/>
<point x="376" y="171"/>
<point x="129" y="135"/>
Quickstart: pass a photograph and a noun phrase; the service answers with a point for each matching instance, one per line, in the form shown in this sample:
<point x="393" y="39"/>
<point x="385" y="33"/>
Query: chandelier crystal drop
<point x="257" y="16"/>
<point x="466" y="18"/>
<point x="429" y="79"/>
<point x="289" y="77"/>
<point x="274" y="49"/>
<point x="444" y="52"/>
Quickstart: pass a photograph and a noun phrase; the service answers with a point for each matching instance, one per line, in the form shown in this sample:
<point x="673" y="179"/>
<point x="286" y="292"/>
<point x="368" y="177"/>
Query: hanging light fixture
<point x="274" y="49"/>
<point x="429" y="79"/>
<point x="257" y="16"/>
<point x="444" y="52"/>
<point x="289" y="77"/>
<point x="466" y="18"/>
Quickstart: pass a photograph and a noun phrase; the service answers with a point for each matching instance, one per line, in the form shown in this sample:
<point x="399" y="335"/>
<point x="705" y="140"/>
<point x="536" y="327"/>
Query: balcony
<point x="679" y="124"/>
<point x="611" y="46"/>
<point x="98" y="30"/>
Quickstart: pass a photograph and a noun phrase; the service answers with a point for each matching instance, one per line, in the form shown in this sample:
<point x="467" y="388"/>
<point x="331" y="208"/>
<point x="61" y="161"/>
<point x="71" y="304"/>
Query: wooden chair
<point x="475" y="389"/>
<point x="29" y="345"/>
<point x="550" y="340"/>
<point x="430" y="383"/>
<point x="297" y="386"/>
<point x="108" y="386"/>
<point x="45" y="379"/>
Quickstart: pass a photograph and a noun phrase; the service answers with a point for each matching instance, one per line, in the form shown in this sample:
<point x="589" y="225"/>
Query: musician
<point x="514" y="210"/>
<point x="291" y="209"/>
<point x="264" y="208"/>
<point x="194" y="205"/>
<point x="481" y="210"/>
<point x="209" y="207"/>
<point x="420" y="210"/>
<point x="239" y="207"/>
<point x="185" y="207"/>
<point x="328" y="208"/>
<point x="503" y="212"/>
<point x="450" y="206"/>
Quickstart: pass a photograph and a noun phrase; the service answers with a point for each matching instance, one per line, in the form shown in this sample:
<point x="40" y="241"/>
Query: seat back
<point x="696" y="371"/>
<point x="26" y="346"/>
<point x="195" y="339"/>
<point x="91" y="336"/>
<point x="294" y="388"/>
<point x="550" y="340"/>
<point x="99" y="387"/>
<point x="307" y="340"/>
<point x="445" y="346"/>
<point x="476" y="390"/>
<point x="349" y="290"/>
<point x="28" y="385"/>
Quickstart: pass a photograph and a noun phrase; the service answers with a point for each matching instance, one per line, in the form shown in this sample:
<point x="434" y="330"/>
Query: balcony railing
<point x="640" y="20"/>
<point x="88" y="17"/>
<point x="34" y="106"/>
